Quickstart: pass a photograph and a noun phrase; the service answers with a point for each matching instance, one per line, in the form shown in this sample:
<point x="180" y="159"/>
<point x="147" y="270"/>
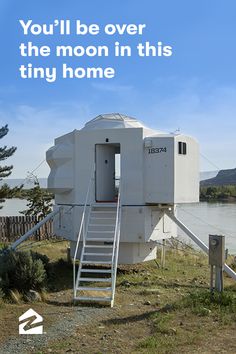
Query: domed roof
<point x="116" y="121"/>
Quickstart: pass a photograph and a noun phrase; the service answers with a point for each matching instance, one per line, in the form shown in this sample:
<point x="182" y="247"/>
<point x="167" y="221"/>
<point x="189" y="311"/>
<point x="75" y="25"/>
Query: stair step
<point x="96" y="262"/>
<point x="99" y="232"/>
<point x="103" y="225"/>
<point x="99" y="246"/>
<point x="90" y="298"/>
<point x="97" y="254"/>
<point x="104" y="205"/>
<point x="103" y="212"/>
<point x="104" y="218"/>
<point x="100" y="237"/>
<point x="87" y="288"/>
<point x="104" y="280"/>
<point x="84" y="270"/>
<point x="107" y="239"/>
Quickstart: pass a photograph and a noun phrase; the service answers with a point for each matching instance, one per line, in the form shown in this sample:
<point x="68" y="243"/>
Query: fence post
<point x="8" y="236"/>
<point x="12" y="227"/>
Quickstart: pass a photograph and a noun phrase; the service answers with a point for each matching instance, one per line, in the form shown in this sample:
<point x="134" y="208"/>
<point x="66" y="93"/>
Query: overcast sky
<point x="194" y="90"/>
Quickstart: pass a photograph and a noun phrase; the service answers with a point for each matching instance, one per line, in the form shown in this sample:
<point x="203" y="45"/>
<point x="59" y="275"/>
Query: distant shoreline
<point x="220" y="193"/>
<point x="231" y="199"/>
<point x="218" y="199"/>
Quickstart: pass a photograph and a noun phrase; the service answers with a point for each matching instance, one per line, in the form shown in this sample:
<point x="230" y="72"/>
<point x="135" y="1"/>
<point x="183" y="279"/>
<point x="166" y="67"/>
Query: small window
<point x="182" y="148"/>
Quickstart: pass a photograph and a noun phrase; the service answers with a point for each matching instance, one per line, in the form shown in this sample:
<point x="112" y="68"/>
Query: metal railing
<point x="83" y="226"/>
<point x="116" y="244"/>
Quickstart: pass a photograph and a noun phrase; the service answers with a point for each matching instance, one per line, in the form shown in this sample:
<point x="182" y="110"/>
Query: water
<point x="201" y="218"/>
<point x="210" y="218"/>
<point x="12" y="207"/>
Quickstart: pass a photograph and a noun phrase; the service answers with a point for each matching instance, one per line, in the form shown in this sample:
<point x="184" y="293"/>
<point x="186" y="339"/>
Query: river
<point x="210" y="218"/>
<point x="202" y="218"/>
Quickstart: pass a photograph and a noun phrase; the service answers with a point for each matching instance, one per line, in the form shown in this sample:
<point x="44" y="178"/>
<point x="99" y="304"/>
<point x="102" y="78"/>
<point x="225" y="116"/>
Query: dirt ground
<point x="149" y="315"/>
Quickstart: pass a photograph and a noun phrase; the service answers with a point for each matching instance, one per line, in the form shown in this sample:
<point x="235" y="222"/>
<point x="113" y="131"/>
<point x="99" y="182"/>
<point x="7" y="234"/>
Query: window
<point x="182" y="148"/>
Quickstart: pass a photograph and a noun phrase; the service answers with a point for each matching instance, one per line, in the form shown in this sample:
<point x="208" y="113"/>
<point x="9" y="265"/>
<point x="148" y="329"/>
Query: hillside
<point x="207" y="175"/>
<point x="224" y="177"/>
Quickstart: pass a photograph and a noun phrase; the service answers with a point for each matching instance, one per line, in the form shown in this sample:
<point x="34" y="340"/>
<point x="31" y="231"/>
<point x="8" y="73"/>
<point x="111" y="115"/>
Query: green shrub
<point x="21" y="271"/>
<point x="43" y="258"/>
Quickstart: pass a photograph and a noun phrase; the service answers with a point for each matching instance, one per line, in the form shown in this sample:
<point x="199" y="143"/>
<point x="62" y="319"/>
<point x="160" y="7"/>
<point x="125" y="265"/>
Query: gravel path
<point x="66" y="321"/>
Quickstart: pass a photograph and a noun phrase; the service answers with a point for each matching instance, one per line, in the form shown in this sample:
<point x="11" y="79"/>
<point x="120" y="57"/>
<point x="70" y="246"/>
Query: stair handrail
<point x="82" y="223"/>
<point x="116" y="242"/>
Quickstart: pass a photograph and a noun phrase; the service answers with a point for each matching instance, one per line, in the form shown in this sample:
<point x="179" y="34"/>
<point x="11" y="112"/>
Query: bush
<point x="43" y="258"/>
<point x="21" y="271"/>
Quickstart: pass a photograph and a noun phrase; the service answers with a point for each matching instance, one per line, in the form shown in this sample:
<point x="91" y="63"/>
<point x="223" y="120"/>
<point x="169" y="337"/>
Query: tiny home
<point x="117" y="177"/>
<point x="156" y="170"/>
<point x="116" y="185"/>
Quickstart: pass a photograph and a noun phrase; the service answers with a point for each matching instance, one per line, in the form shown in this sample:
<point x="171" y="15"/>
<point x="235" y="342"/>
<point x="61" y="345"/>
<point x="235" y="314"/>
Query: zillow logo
<point x="28" y="321"/>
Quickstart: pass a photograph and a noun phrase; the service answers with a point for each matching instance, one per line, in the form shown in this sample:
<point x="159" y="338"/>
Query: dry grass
<point x="156" y="310"/>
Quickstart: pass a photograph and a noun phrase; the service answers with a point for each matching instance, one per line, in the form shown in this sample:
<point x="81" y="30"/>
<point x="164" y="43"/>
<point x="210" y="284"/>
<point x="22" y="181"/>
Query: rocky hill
<point x="224" y="177"/>
<point x="207" y="174"/>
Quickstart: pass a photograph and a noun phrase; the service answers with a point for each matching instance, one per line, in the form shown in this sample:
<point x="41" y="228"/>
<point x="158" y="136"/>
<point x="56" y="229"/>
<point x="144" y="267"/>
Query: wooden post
<point x="163" y="253"/>
<point x="8" y="236"/>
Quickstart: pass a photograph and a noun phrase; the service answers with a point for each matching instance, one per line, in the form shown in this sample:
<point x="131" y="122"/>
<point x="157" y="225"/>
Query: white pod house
<point x="152" y="171"/>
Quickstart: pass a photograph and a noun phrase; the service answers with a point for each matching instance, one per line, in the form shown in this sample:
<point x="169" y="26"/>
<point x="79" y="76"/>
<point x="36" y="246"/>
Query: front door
<point x="105" y="173"/>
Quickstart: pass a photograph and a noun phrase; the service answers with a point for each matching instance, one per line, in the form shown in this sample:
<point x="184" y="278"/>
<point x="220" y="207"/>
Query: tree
<point x="5" y="171"/>
<point x="39" y="201"/>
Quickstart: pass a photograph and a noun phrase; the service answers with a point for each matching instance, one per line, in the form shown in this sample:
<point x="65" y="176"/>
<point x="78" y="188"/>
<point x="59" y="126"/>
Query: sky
<point x="194" y="90"/>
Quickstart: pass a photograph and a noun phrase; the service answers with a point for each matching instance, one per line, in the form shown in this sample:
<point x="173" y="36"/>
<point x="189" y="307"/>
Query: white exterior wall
<point x="159" y="170"/>
<point x="131" y="152"/>
<point x="186" y="171"/>
<point x="170" y="177"/>
<point x="61" y="159"/>
<point x="140" y="224"/>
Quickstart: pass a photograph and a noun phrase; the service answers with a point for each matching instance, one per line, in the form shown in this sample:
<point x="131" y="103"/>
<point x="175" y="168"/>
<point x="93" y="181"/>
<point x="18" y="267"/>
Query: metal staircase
<point x="96" y="275"/>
